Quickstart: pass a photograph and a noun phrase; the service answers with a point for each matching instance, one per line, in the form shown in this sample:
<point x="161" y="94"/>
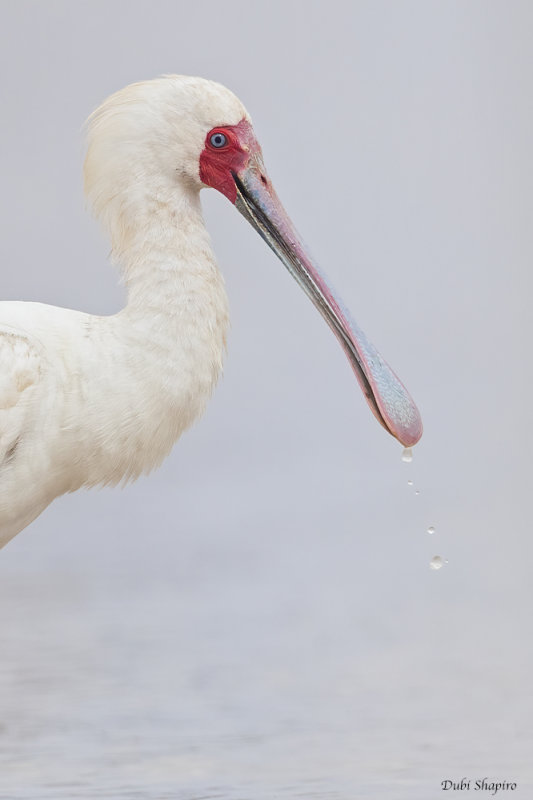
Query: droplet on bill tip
<point x="407" y="454"/>
<point x="436" y="562"/>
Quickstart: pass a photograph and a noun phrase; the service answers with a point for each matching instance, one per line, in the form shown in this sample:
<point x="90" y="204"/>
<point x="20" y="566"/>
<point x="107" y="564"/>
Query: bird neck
<point x="175" y="292"/>
<point x="163" y="250"/>
<point x="167" y="344"/>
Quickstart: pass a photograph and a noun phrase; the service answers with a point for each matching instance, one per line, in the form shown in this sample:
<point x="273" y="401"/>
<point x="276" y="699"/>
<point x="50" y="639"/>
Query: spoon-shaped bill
<point x="386" y="395"/>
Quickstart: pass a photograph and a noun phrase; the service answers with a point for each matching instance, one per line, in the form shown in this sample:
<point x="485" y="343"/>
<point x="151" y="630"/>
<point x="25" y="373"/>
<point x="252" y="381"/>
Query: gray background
<point x="257" y="619"/>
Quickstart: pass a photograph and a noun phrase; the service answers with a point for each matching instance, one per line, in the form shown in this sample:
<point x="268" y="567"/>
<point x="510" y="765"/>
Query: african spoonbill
<point x="88" y="400"/>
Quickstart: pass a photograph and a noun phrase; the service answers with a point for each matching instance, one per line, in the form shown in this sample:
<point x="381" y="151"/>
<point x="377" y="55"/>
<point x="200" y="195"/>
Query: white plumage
<point x="88" y="400"/>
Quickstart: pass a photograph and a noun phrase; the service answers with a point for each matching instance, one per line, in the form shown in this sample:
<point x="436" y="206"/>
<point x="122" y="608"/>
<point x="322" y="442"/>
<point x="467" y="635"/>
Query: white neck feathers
<point x="170" y="339"/>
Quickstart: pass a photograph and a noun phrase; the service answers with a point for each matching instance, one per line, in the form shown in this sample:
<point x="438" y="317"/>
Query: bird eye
<point x="218" y="140"/>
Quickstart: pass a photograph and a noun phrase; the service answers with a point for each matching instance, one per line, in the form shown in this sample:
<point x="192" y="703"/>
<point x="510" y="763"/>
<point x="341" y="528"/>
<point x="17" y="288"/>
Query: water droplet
<point x="431" y="529"/>
<point x="417" y="491"/>
<point x="409" y="483"/>
<point x="407" y="454"/>
<point x="436" y="562"/>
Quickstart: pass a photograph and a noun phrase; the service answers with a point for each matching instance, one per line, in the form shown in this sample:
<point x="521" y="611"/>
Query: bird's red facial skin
<point x="217" y="164"/>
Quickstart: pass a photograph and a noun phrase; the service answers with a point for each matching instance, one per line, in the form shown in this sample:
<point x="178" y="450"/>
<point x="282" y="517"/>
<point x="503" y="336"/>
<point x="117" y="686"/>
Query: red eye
<point x="218" y="140"/>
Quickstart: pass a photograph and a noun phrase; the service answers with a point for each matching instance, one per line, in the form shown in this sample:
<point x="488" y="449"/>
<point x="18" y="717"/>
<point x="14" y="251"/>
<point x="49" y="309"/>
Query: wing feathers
<point x="20" y="371"/>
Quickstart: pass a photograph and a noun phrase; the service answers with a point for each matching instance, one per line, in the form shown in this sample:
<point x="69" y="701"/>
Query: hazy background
<point x="258" y="619"/>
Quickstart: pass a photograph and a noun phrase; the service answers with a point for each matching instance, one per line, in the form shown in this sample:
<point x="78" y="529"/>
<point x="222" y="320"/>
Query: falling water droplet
<point x="409" y="483"/>
<point x="436" y="562"/>
<point x="417" y="491"/>
<point x="407" y="455"/>
<point x="431" y="529"/>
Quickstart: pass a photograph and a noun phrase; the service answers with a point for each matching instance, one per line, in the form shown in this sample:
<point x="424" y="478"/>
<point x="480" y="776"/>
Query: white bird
<point x="88" y="400"/>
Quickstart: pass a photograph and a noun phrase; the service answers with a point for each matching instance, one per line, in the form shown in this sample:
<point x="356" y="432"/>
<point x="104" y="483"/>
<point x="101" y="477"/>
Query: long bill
<point x="388" y="398"/>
